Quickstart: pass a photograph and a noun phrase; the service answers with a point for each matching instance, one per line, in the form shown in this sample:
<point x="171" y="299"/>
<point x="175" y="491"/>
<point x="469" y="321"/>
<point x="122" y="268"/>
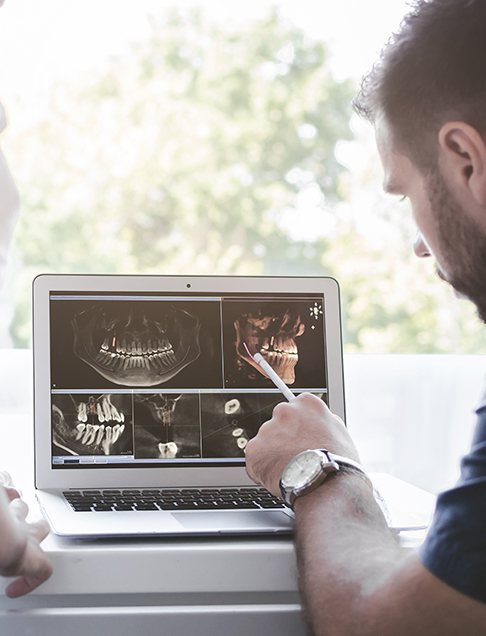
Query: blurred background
<point x="210" y="137"/>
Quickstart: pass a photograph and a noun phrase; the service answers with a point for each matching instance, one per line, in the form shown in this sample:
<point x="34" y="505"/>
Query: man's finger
<point x="5" y="479"/>
<point x="7" y="483"/>
<point x="12" y="493"/>
<point x="37" y="575"/>
<point x="19" y="508"/>
<point x="39" y="530"/>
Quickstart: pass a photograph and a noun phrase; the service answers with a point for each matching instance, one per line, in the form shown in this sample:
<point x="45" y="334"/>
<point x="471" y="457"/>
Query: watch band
<point x="344" y="461"/>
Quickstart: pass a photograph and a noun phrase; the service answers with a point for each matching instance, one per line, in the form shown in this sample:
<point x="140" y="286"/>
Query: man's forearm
<point x="345" y="551"/>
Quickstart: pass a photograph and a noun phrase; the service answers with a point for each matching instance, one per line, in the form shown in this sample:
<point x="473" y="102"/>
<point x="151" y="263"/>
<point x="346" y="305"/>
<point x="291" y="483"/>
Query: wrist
<point x="346" y="489"/>
<point x="309" y="469"/>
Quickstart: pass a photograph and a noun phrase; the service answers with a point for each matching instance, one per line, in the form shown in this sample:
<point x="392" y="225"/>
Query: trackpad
<point x="234" y="521"/>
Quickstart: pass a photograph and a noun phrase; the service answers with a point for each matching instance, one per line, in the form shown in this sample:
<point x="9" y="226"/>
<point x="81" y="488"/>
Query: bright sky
<point x="41" y="40"/>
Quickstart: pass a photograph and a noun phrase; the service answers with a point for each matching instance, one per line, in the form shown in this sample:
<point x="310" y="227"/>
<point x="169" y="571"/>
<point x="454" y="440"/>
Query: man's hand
<point x="20" y="553"/>
<point x="304" y="423"/>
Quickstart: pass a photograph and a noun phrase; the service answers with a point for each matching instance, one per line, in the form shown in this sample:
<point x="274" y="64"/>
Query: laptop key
<point x="271" y="504"/>
<point x="225" y="506"/>
<point x="246" y="505"/>
<point x="187" y="505"/>
<point x="145" y="506"/>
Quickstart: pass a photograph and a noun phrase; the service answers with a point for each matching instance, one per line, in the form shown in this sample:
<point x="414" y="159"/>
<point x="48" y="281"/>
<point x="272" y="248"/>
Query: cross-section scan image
<point x="92" y="424"/>
<point x="132" y="343"/>
<point x="288" y="334"/>
<point x="167" y="425"/>
<point x="230" y="420"/>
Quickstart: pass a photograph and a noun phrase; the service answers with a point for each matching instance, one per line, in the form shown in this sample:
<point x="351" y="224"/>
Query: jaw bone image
<point x="161" y="406"/>
<point x="137" y="346"/>
<point x="230" y="420"/>
<point x="270" y="330"/>
<point x="167" y="425"/>
<point x="89" y="425"/>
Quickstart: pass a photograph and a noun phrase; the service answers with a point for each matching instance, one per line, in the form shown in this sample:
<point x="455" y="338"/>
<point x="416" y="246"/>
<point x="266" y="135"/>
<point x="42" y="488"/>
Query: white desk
<point x="162" y="587"/>
<point x="169" y="586"/>
<point x="148" y="587"/>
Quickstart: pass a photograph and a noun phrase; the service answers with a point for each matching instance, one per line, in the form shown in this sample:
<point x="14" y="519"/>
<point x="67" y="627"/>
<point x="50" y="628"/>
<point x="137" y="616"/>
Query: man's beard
<point x="462" y="244"/>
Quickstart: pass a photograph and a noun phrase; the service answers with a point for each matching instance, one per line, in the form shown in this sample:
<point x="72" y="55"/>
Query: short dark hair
<point x="432" y="71"/>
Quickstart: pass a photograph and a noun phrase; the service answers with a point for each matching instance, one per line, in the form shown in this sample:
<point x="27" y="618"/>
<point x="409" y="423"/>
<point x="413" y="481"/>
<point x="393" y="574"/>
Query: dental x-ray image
<point x="288" y="334"/>
<point x="87" y="424"/>
<point x="230" y="420"/>
<point x="167" y="425"/>
<point x="135" y="343"/>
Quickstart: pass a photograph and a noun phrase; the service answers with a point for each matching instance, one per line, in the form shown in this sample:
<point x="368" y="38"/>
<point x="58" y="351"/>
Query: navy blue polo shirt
<point x="455" y="547"/>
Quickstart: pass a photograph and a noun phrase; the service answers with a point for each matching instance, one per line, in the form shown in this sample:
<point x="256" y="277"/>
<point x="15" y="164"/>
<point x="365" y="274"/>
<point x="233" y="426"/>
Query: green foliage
<point x="395" y="302"/>
<point x="178" y="157"/>
<point x="182" y="155"/>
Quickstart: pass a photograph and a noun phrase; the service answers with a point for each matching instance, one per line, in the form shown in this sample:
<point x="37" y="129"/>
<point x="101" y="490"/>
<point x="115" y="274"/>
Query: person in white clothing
<point x="21" y="556"/>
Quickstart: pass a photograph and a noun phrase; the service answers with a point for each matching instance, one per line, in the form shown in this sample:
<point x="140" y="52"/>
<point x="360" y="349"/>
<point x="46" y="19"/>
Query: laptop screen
<point x="155" y="379"/>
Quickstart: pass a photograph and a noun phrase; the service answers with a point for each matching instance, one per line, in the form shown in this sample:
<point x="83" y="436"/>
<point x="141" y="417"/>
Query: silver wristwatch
<point x="309" y="469"/>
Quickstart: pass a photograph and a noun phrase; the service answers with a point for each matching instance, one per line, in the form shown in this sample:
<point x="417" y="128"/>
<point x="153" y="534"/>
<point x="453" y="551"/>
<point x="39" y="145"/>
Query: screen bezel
<point x="47" y="477"/>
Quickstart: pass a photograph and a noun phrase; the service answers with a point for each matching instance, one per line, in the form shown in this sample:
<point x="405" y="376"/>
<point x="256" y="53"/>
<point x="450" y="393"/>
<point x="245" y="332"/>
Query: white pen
<point x="271" y="374"/>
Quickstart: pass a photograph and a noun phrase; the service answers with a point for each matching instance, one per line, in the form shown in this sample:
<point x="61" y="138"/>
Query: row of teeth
<point x="241" y="441"/>
<point x="94" y="434"/>
<point x="135" y="348"/>
<point x="277" y="352"/>
<point x="104" y="411"/>
<point x="131" y="361"/>
<point x="270" y="346"/>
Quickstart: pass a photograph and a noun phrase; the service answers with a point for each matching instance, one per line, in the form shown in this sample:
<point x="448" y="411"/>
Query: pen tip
<point x="247" y="350"/>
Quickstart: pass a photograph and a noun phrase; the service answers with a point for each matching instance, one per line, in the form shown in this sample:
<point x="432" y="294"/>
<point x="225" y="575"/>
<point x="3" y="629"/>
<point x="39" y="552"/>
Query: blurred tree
<point x="179" y="156"/>
<point x="208" y="148"/>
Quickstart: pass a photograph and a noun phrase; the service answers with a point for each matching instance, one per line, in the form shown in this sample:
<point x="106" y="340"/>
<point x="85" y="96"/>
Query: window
<point x="209" y="137"/>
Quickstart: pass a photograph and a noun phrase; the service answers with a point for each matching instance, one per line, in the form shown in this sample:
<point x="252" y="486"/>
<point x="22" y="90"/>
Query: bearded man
<point x="426" y="98"/>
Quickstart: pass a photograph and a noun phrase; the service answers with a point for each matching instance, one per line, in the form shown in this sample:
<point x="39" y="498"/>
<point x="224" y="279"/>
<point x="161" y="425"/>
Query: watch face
<point x="302" y="469"/>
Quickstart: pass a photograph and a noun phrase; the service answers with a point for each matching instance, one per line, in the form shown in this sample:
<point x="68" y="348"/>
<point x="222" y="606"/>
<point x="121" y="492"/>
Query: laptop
<point x="145" y="396"/>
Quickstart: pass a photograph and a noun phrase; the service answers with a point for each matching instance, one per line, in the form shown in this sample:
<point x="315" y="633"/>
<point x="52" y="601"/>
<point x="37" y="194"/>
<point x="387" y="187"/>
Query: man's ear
<point x="462" y="158"/>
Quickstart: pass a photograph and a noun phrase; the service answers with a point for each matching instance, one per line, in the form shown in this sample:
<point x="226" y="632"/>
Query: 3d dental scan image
<point x="159" y="378"/>
<point x="88" y="424"/>
<point x="167" y="425"/>
<point x="135" y="343"/>
<point x="288" y="334"/>
<point x="230" y="420"/>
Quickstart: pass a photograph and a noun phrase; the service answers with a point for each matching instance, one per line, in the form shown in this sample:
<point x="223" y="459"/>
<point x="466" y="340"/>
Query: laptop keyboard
<point x="172" y="499"/>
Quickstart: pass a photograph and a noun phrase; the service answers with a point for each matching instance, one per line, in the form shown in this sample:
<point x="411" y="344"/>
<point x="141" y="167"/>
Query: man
<point x="427" y="100"/>
<point x="20" y="552"/>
